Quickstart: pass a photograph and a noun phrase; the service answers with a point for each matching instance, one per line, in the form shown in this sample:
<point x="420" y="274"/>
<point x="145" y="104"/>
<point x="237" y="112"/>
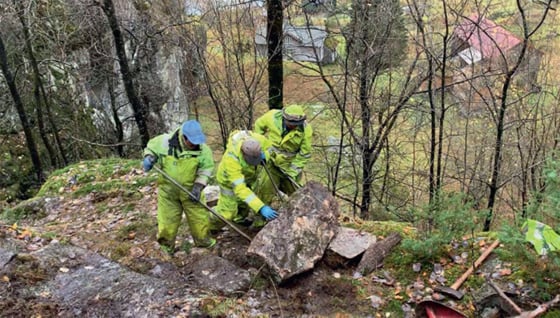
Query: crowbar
<point x="282" y="195"/>
<point x="294" y="182"/>
<point x="216" y="214"/>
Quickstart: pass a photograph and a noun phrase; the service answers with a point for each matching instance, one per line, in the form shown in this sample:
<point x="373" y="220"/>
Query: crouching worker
<point x="185" y="157"/>
<point x="237" y="173"/>
<point x="290" y="136"/>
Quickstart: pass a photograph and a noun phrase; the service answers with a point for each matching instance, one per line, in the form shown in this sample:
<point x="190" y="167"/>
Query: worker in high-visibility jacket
<point x="183" y="156"/>
<point x="237" y="172"/>
<point x="290" y="135"/>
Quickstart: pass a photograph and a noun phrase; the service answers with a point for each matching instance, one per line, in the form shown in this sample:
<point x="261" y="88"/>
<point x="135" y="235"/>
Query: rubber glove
<point x="196" y="190"/>
<point x="263" y="157"/>
<point x="268" y="213"/>
<point x="148" y="162"/>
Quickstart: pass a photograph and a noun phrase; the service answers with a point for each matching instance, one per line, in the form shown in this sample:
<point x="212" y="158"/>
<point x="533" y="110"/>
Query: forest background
<point x="393" y="139"/>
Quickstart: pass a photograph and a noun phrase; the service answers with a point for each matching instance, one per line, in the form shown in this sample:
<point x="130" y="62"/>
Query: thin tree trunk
<point x="494" y="184"/>
<point x="31" y="146"/>
<point x="138" y="108"/>
<point x="115" y="112"/>
<point x="40" y="96"/>
<point x="275" y="19"/>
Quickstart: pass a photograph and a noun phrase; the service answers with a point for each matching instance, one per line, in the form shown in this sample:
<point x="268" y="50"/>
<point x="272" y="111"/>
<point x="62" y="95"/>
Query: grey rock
<point x="220" y="275"/>
<point x="350" y="243"/>
<point x="298" y="238"/>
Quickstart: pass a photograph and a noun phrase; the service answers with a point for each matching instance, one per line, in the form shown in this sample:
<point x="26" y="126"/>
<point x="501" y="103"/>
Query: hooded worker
<point x="237" y="173"/>
<point x="290" y="136"/>
<point x="183" y="156"/>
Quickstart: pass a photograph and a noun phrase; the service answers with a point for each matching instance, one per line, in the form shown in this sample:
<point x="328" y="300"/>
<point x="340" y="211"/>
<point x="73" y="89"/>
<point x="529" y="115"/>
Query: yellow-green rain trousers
<point x="236" y="178"/>
<point x="186" y="167"/>
<point x="290" y="152"/>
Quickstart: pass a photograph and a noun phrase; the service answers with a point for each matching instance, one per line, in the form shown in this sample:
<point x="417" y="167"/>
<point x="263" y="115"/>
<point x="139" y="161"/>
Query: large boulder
<point x="297" y="239"/>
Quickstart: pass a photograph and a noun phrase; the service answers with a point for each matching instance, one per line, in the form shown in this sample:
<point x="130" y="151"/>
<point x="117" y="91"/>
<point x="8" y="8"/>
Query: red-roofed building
<point x="482" y="52"/>
<point x="487" y="38"/>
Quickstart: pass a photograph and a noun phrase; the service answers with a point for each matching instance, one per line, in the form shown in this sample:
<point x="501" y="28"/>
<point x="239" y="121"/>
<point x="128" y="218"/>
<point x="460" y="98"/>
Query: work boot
<point x="205" y="243"/>
<point x="258" y="223"/>
<point x="243" y="221"/>
<point x="166" y="246"/>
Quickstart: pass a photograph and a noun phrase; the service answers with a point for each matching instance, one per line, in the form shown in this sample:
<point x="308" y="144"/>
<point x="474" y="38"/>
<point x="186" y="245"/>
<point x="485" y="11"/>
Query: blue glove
<point x="196" y="189"/>
<point x="148" y="162"/>
<point x="263" y="158"/>
<point x="268" y="213"/>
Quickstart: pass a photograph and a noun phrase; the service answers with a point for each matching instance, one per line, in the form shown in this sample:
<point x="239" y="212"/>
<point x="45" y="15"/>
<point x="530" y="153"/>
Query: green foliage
<point x="49" y="235"/>
<point x="545" y="205"/>
<point x="18" y="181"/>
<point x="451" y="218"/>
<point x="142" y="227"/>
<point x="543" y="272"/>
<point x="218" y="306"/>
<point x="102" y="175"/>
<point x="30" y="209"/>
<point x="384" y="228"/>
<point x="120" y="251"/>
<point x="394" y="306"/>
<point x="186" y="247"/>
<point x="337" y="21"/>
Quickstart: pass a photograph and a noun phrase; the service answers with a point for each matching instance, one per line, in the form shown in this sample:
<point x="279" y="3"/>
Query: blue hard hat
<point x="192" y="130"/>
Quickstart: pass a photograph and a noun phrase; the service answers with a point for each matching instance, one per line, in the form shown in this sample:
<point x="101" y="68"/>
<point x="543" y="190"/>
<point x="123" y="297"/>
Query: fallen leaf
<point x="505" y="272"/>
<point x="136" y="252"/>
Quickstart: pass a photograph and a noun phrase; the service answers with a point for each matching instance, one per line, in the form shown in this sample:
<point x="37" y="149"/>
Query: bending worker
<point x="185" y="157"/>
<point x="291" y="148"/>
<point x="237" y="173"/>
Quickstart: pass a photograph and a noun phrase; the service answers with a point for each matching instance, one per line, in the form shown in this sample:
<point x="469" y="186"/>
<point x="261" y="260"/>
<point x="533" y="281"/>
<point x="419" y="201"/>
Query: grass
<point x="218" y="306"/>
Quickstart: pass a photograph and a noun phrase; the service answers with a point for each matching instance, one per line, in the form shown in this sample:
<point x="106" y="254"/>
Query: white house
<point x="301" y="43"/>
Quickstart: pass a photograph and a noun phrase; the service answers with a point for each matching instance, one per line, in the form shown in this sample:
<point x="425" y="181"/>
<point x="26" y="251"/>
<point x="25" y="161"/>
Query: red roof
<point x="486" y="36"/>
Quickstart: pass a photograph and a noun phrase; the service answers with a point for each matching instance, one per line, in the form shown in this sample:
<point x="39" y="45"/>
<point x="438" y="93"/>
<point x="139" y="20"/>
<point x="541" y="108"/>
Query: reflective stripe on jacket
<point x="237" y="175"/>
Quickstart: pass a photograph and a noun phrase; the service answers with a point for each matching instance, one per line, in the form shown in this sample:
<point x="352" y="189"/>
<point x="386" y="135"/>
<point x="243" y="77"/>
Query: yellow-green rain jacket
<point x="235" y="174"/>
<point x="183" y="165"/>
<point x="291" y="150"/>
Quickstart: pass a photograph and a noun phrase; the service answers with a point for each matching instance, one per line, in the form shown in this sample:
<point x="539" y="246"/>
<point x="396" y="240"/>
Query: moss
<point x="120" y="251"/>
<point x="383" y="229"/>
<point x="30" y="209"/>
<point x="103" y="175"/>
<point x="218" y="306"/>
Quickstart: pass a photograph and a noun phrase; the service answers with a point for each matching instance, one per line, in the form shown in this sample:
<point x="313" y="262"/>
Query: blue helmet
<point x="192" y="130"/>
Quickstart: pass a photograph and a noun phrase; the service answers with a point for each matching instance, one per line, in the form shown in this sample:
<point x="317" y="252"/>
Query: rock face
<point x="297" y="239"/>
<point x="80" y="283"/>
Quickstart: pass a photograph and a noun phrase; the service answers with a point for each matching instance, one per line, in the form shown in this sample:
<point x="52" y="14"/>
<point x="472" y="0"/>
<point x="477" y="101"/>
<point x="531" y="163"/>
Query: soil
<point x="324" y="291"/>
<point x="96" y="256"/>
<point x="33" y="285"/>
